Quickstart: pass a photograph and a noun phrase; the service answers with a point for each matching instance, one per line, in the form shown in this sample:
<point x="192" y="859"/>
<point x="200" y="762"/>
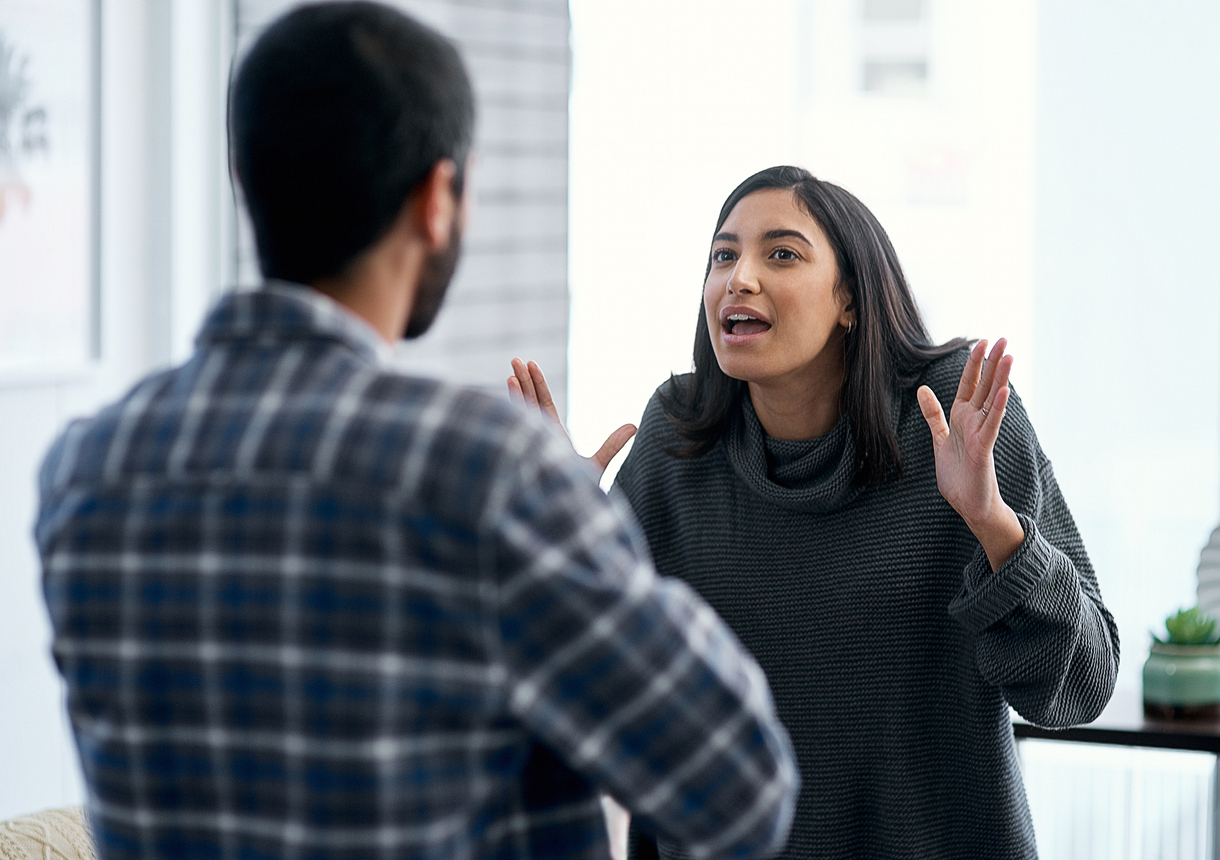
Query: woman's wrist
<point x="1000" y="533"/>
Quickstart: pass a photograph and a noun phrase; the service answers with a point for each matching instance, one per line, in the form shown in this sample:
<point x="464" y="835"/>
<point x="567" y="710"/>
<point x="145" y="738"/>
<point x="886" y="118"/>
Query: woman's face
<point x="774" y="310"/>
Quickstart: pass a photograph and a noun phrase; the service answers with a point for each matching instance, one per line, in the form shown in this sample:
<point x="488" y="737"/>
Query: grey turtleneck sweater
<point x="892" y="648"/>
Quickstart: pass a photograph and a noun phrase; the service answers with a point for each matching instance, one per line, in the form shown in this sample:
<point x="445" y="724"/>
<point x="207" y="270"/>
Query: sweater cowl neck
<point x="815" y="475"/>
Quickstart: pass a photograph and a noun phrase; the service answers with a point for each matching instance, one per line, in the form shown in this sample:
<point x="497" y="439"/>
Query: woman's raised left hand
<point x="964" y="446"/>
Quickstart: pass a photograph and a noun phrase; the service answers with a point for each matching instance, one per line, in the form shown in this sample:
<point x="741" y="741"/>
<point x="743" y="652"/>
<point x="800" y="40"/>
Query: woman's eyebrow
<point x="725" y="237"/>
<point x="782" y="234"/>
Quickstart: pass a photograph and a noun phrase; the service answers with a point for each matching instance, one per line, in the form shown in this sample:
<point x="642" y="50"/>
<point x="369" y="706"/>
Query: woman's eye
<point x="784" y="254"/>
<point x="723" y="255"/>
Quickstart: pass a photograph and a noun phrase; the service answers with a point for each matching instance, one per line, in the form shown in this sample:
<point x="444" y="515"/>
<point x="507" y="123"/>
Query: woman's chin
<point x="742" y="371"/>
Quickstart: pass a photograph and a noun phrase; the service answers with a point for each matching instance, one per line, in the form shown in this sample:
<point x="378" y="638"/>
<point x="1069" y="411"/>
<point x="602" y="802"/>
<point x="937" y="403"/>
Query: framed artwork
<point x="49" y="103"/>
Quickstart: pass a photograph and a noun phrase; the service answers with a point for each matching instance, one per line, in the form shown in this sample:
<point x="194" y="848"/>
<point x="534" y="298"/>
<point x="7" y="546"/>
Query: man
<point x="307" y="606"/>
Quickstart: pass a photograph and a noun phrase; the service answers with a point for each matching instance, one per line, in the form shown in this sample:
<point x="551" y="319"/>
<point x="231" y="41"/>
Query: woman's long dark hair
<point x="886" y="350"/>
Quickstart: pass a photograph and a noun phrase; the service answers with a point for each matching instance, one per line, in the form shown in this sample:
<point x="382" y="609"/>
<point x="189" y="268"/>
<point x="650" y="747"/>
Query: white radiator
<point x="1092" y="802"/>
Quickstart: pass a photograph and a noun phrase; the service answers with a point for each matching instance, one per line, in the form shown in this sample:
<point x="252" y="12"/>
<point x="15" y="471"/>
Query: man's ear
<point x="436" y="206"/>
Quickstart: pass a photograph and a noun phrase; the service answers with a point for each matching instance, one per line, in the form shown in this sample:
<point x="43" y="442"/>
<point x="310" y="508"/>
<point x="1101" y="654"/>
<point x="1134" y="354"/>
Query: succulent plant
<point x="1190" y="626"/>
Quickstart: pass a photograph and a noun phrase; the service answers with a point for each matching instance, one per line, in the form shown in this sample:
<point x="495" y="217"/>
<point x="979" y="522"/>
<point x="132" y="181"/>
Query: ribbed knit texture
<point x="892" y="648"/>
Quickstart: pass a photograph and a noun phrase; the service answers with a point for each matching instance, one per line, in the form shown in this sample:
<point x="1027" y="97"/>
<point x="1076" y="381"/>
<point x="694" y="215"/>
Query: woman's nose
<point x="742" y="279"/>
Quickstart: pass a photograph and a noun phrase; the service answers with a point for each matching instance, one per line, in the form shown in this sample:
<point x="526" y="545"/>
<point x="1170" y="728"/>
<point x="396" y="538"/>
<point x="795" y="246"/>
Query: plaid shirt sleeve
<point x="632" y="679"/>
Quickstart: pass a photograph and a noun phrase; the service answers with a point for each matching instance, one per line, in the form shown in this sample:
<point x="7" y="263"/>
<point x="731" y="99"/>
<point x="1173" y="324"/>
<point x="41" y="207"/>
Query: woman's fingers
<point x="999" y="380"/>
<point x="993" y="407"/>
<point x="525" y="383"/>
<point x="933" y="414"/>
<point x="542" y="391"/>
<point x="613" y="444"/>
<point x="995" y="415"/>
<point x="991" y="413"/>
<point x="970" y="373"/>
<point x="529" y="383"/>
<point x="985" y="389"/>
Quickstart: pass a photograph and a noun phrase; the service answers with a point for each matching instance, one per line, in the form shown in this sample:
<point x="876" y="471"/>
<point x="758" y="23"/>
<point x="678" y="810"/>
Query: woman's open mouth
<point x="743" y="324"/>
<point x="740" y="325"/>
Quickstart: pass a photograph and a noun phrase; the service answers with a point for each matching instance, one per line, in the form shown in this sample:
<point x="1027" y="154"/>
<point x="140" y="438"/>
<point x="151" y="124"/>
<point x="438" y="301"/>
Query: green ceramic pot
<point x="1182" y="681"/>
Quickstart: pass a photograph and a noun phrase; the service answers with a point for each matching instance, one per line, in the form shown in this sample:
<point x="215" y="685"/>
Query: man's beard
<point x="433" y="282"/>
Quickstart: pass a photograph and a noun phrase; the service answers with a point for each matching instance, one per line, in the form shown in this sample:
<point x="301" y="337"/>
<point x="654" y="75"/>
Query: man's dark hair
<point x="336" y="115"/>
<point x="886" y="350"/>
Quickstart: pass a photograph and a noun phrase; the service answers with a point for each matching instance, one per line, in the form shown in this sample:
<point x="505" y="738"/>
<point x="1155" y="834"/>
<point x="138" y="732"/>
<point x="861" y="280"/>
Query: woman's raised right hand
<point x="529" y="385"/>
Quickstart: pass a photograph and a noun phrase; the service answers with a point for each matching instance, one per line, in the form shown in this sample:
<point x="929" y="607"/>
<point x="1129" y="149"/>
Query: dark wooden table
<point x="1123" y="723"/>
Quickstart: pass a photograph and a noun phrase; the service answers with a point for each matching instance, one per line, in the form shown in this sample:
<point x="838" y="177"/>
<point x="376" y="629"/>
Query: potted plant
<point x="1182" y="675"/>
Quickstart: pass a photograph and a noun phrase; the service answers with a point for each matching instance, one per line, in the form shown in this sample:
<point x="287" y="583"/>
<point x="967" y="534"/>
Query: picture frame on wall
<point x="49" y="188"/>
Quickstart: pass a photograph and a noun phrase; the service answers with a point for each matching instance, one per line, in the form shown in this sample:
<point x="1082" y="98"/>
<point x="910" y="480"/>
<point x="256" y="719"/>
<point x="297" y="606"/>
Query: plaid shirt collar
<point x="283" y="311"/>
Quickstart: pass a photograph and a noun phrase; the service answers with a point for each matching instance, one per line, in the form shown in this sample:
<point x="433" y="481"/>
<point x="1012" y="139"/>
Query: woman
<point x="899" y="590"/>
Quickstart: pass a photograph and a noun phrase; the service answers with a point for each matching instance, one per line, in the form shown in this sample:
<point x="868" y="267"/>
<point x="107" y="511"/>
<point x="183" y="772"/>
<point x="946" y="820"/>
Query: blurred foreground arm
<point x="632" y="679"/>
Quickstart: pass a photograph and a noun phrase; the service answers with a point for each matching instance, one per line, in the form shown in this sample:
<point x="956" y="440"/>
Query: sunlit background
<point x="1048" y="171"/>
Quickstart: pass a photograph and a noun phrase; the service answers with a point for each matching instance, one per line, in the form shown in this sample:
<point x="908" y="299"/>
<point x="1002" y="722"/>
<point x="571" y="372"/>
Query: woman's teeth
<point x="744" y="324"/>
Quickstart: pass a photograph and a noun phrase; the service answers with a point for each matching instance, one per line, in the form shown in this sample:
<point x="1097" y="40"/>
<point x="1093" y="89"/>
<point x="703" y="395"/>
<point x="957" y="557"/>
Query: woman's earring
<point x="851" y="326"/>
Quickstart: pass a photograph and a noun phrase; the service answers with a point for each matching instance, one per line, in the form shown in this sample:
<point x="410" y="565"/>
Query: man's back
<point x="307" y="606"/>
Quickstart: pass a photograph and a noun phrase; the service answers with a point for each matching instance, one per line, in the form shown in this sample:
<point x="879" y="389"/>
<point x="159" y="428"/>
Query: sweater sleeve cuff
<point x="987" y="596"/>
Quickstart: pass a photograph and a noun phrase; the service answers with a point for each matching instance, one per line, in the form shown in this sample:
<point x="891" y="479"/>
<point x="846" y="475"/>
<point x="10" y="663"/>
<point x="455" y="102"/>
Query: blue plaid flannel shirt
<point x="310" y="607"/>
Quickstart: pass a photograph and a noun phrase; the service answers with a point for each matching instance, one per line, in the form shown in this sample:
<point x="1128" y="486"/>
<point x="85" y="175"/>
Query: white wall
<point x="673" y="105"/>
<point x="667" y="100"/>
<point x="948" y="172"/>
<point x="161" y="179"/>
<point x="1083" y="224"/>
<point x="1127" y="302"/>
